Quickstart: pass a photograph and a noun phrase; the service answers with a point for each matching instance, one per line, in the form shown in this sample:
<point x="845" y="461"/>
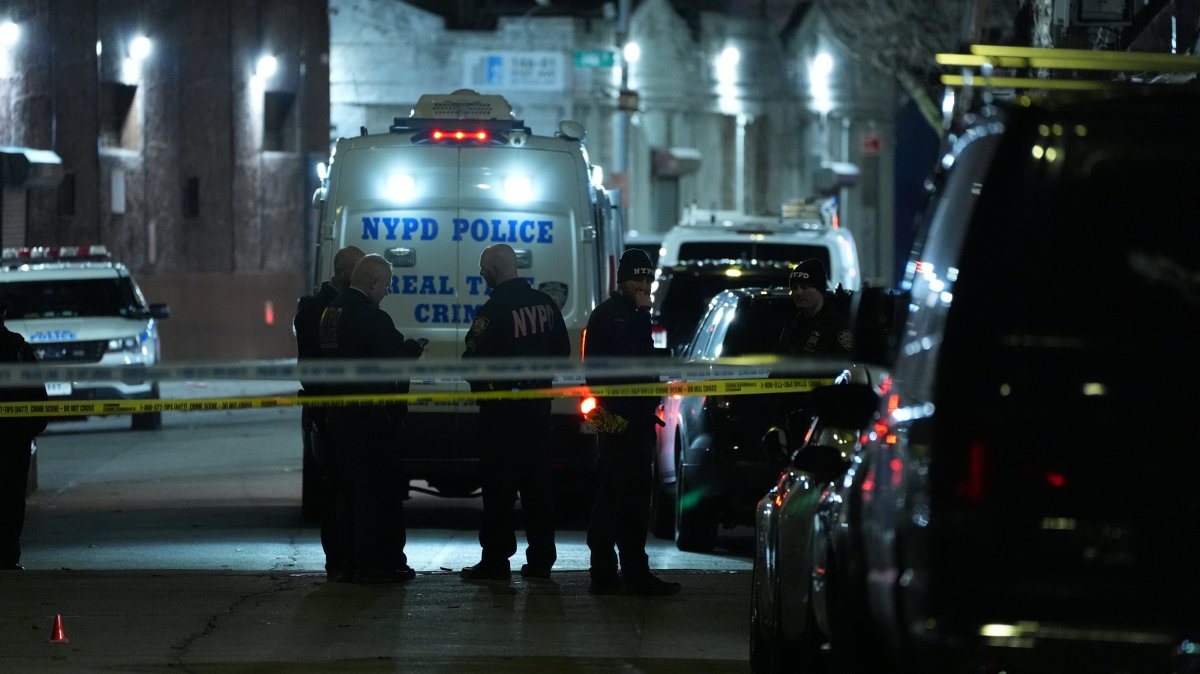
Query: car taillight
<point x="659" y="334"/>
<point x="972" y="485"/>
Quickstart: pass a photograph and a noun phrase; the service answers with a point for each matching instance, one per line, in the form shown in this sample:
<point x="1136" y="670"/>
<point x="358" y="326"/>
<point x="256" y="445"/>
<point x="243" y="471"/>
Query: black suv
<point x="1029" y="479"/>
<point x="710" y="465"/>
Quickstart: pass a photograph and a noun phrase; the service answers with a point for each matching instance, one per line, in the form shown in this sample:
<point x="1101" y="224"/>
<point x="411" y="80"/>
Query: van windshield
<point x="69" y="298"/>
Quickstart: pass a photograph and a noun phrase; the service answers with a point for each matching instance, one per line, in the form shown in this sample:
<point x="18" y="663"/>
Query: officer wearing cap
<point x="516" y="321"/>
<point x="620" y="326"/>
<point x="319" y="442"/>
<point x="371" y="492"/>
<point x="821" y="324"/>
<point x="16" y="434"/>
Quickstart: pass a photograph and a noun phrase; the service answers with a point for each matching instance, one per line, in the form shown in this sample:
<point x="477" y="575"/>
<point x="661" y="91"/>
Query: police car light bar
<point x="44" y="253"/>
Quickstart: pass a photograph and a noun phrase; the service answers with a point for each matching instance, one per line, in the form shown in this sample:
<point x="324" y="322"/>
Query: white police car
<point x="75" y="304"/>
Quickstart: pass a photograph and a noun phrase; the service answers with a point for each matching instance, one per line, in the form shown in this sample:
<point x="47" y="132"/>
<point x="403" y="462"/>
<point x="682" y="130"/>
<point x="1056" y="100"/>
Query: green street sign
<point x="594" y="58"/>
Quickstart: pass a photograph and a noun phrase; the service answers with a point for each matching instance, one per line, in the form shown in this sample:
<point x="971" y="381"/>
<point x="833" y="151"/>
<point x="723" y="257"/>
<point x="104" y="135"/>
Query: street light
<point x="10" y="34"/>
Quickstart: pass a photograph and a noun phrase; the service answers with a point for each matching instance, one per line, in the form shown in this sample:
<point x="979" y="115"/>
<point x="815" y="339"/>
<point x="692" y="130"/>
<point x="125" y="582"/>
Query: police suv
<point x="457" y="175"/>
<point x="76" y="305"/>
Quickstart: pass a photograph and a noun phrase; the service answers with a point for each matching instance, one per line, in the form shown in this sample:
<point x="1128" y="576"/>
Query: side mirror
<point x="850" y="406"/>
<point x="774" y="443"/>
<point x="160" y="311"/>
<point x="879" y="317"/>
<point x="821" y="460"/>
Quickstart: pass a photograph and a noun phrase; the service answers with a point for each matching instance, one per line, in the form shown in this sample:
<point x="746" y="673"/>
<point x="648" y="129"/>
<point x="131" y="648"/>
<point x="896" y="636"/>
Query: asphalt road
<point x="182" y="549"/>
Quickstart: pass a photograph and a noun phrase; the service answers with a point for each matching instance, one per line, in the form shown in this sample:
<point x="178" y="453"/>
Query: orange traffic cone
<point x="59" y="636"/>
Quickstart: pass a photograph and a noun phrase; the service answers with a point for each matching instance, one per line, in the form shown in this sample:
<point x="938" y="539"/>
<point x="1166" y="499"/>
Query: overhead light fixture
<point x="140" y="47"/>
<point x="10" y="33"/>
<point x="267" y="65"/>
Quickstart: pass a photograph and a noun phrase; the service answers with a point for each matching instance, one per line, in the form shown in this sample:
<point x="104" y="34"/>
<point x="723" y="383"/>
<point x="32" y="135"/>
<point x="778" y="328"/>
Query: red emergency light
<point x="460" y="135"/>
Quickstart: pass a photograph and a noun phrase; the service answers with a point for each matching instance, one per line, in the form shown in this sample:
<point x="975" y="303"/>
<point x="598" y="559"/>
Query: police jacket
<point x="353" y="327"/>
<point x="826" y="333"/>
<point x="516" y="321"/>
<point x="308" y="317"/>
<point x="618" y="328"/>
<point x="13" y="350"/>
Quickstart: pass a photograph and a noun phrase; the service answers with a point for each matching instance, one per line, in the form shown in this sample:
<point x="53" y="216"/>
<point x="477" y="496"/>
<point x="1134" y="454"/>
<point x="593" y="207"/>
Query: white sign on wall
<point x="527" y="70"/>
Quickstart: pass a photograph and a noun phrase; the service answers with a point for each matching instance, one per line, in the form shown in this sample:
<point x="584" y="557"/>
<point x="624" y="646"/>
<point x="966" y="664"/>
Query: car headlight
<point x="123" y="344"/>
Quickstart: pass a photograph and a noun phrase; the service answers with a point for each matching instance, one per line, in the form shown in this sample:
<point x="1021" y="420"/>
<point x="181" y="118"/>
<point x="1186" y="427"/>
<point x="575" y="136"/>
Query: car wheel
<point x="764" y="620"/>
<point x="695" y="528"/>
<point x="148" y="421"/>
<point x="662" y="508"/>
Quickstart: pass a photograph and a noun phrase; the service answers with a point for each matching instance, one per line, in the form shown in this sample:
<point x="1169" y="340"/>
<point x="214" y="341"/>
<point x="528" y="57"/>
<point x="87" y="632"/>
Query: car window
<point x="66" y="298"/>
<point x="752" y="250"/>
<point x="756" y="326"/>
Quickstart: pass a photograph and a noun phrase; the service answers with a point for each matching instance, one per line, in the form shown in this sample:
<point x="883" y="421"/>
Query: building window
<point x="279" y="122"/>
<point x="191" y="197"/>
<point x="119" y="126"/>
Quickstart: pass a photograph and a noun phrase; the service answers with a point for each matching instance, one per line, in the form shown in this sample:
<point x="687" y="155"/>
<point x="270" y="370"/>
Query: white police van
<point x="76" y="305"/>
<point x="457" y="175"/>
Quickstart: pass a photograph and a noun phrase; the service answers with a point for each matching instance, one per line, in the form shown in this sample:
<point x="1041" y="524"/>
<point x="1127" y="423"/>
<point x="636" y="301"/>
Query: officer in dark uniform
<point x="821" y="326"/>
<point x="372" y="486"/>
<point x="318" y="442"/>
<point x="620" y="326"/>
<point x="16" y="436"/>
<point x="516" y="321"/>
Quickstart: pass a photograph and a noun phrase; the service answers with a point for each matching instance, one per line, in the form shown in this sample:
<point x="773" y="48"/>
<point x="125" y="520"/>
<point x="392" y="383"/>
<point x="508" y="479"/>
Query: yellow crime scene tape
<point x="77" y="408"/>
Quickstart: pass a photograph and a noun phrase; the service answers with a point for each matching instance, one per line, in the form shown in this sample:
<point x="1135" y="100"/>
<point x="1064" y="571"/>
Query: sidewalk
<point x="253" y="622"/>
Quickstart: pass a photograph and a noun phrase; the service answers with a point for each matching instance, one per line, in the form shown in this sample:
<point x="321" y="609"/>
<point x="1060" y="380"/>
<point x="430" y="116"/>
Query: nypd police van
<point x="457" y="175"/>
<point x="76" y="305"/>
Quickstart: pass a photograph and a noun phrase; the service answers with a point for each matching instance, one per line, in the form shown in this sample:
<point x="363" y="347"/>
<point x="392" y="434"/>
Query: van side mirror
<point x="879" y="318"/>
<point x="160" y="311"/>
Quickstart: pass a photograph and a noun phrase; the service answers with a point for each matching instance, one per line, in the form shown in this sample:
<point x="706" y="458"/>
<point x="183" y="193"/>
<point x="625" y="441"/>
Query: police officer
<point x="372" y="486"/>
<point x="821" y="326"/>
<point x="516" y="321"/>
<point x="620" y="326"/>
<point x="318" y="442"/>
<point x="16" y="436"/>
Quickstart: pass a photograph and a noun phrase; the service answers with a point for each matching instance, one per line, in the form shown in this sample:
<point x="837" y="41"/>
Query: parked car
<point x="76" y="305"/>
<point x="709" y="464"/>
<point x="786" y="633"/>
<point x="1030" y="480"/>
<point x="681" y="294"/>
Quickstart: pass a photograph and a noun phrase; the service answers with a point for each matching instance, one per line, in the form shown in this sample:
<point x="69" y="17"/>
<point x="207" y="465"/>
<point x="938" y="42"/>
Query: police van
<point x="76" y="305"/>
<point x="459" y="174"/>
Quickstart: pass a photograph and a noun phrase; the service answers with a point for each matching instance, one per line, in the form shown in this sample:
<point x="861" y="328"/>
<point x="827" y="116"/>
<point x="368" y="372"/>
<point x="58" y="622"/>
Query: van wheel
<point x="31" y="480"/>
<point x="310" y="481"/>
<point x="695" y="528"/>
<point x="662" y="508"/>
